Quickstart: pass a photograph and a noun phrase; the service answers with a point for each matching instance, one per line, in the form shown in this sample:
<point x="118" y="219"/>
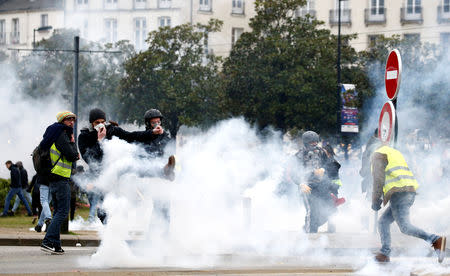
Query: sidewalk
<point x="336" y="243"/>
<point x="21" y="237"/>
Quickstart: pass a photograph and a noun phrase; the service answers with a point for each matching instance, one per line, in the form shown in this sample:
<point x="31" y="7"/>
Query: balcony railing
<point x="374" y="16"/>
<point x="15" y="37"/>
<point x="443" y="14"/>
<point x="345" y="17"/>
<point x="304" y="12"/>
<point x="411" y="15"/>
<point x="2" y="38"/>
<point x="139" y="5"/>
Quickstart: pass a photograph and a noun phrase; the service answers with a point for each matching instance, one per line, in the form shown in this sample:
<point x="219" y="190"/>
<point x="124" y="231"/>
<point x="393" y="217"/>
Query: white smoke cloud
<point x="23" y="120"/>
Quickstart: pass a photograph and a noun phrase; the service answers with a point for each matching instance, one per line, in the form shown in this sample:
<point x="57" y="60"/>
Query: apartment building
<point x="23" y="21"/>
<point x="108" y="21"/>
<point x="426" y="20"/>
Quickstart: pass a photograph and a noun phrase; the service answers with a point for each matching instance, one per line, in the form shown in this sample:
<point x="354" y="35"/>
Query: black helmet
<point x="309" y="137"/>
<point x="150" y="114"/>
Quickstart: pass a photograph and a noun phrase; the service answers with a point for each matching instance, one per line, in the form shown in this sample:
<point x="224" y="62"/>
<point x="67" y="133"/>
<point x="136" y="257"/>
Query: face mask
<point x="99" y="126"/>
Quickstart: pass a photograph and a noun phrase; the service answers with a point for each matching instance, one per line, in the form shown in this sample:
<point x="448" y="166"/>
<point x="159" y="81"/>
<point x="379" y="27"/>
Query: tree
<point x="283" y="72"/>
<point x="176" y="76"/>
<point x="49" y="74"/>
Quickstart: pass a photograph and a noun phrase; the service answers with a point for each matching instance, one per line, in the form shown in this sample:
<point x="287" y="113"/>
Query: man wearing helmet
<point x="154" y="145"/>
<point x="315" y="185"/>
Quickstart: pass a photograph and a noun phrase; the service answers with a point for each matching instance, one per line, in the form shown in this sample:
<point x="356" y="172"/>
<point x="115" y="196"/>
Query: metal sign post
<point x="388" y="122"/>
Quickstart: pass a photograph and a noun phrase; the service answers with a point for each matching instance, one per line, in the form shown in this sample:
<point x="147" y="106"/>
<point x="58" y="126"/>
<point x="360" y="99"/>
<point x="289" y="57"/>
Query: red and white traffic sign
<point x="386" y="123"/>
<point x="392" y="74"/>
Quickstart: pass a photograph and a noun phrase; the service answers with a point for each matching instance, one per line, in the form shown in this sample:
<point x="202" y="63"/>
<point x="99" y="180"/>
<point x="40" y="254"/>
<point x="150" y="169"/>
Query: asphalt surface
<point x="30" y="260"/>
<point x="329" y="254"/>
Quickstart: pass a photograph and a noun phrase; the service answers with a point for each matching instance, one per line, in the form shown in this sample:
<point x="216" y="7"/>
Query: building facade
<point x="25" y="21"/>
<point x="108" y="21"/>
<point x="426" y="20"/>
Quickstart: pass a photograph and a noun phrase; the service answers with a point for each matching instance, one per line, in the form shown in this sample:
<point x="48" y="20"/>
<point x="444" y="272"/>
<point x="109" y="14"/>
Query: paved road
<point x="25" y="259"/>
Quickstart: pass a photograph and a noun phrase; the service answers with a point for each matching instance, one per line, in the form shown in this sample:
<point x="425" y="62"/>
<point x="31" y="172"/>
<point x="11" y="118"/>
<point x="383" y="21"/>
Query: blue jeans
<point x="60" y="192"/>
<point x="45" y="198"/>
<point x="13" y="192"/>
<point x="93" y="200"/>
<point x="17" y="200"/>
<point x="398" y="211"/>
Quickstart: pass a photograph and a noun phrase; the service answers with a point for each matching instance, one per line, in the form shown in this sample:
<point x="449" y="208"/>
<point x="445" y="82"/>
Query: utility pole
<point x="76" y="51"/>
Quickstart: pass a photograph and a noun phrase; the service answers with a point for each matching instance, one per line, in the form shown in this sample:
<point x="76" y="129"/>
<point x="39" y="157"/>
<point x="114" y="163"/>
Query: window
<point x="446" y="6"/>
<point x="110" y="4"/>
<point x="164" y="4"/>
<point x="82" y="2"/>
<point x="140" y="4"/>
<point x="345" y="12"/>
<point x="344" y="4"/>
<point x="164" y="21"/>
<point x="376" y="7"/>
<point x="205" y="5"/>
<point x="140" y="32"/>
<point x="237" y="6"/>
<point x="235" y="34"/>
<point x="306" y="9"/>
<point x="15" y="33"/>
<point x="413" y="6"/>
<point x="111" y="30"/>
<point x="44" y="20"/>
<point x="2" y="32"/>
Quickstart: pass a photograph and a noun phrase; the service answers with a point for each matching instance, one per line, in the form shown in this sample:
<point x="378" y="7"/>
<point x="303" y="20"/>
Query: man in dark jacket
<point x="316" y="187"/>
<point x="91" y="151"/>
<point x="36" y="206"/>
<point x="154" y="140"/>
<point x="395" y="183"/>
<point x="24" y="181"/>
<point x="63" y="152"/>
<point x="16" y="189"/>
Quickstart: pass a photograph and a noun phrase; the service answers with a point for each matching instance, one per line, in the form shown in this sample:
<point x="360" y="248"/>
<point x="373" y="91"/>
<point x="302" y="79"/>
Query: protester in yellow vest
<point x="395" y="183"/>
<point x="59" y="139"/>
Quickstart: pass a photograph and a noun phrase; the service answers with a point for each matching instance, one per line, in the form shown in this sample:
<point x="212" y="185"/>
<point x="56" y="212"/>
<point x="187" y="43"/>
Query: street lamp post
<point x="40" y="29"/>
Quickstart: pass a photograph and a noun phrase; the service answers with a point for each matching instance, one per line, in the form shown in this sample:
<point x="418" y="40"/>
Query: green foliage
<point x="283" y="72"/>
<point x="4" y="189"/>
<point x="175" y="76"/>
<point x="50" y="74"/>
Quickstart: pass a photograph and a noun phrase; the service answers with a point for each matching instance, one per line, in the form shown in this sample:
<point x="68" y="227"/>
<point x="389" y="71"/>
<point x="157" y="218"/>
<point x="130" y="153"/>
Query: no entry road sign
<point x="392" y="74"/>
<point x="386" y="123"/>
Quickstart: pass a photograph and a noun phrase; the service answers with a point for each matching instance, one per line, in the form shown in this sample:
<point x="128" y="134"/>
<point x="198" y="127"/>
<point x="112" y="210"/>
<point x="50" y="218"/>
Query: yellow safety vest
<point x="337" y="181"/>
<point x="397" y="173"/>
<point x="62" y="166"/>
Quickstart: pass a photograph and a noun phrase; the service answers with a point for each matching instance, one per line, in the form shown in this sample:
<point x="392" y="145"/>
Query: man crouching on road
<point x="59" y="138"/>
<point x="394" y="181"/>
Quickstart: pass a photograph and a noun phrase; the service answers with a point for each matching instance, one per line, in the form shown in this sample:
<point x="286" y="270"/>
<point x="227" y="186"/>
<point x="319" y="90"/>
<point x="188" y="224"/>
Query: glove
<point x="376" y="205"/>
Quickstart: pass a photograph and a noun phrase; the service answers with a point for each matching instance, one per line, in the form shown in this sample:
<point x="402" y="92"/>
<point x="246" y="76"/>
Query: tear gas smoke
<point x="22" y="121"/>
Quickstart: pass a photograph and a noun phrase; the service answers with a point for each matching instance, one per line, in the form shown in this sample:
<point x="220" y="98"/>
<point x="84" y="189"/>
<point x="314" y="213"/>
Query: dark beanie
<point x="96" y="114"/>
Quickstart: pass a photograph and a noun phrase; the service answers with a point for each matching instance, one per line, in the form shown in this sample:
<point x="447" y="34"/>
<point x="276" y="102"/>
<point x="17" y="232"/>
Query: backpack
<point x="41" y="161"/>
